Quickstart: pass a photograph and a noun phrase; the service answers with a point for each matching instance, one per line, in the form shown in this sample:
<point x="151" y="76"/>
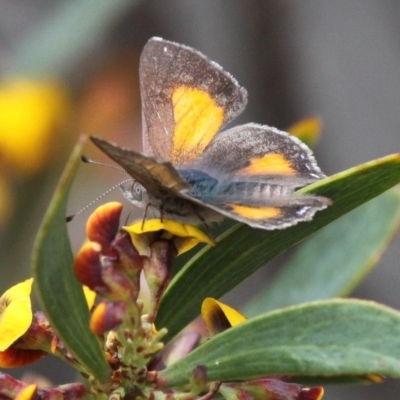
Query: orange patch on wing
<point x="256" y="213"/>
<point x="270" y="164"/>
<point x="197" y="119"/>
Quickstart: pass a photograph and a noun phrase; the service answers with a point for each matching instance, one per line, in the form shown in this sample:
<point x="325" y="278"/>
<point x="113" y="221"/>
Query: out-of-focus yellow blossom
<point x="308" y="130"/>
<point x="15" y="313"/>
<point x="30" y="112"/>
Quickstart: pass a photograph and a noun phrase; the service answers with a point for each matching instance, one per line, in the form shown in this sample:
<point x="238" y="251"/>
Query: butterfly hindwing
<point x="260" y="153"/>
<point x="274" y="214"/>
<point x="260" y="205"/>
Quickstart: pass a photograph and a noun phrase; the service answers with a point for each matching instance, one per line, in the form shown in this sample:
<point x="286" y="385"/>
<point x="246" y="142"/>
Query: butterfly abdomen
<point x="204" y="186"/>
<point x="200" y="181"/>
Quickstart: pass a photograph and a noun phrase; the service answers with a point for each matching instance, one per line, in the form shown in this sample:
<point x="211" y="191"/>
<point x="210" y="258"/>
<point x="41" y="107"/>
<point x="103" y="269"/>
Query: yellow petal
<point x="15" y="313"/>
<point x="308" y="130"/>
<point x="185" y="236"/>
<point x="219" y="316"/>
<point x="90" y="296"/>
<point x="27" y="392"/>
<point x="19" y="290"/>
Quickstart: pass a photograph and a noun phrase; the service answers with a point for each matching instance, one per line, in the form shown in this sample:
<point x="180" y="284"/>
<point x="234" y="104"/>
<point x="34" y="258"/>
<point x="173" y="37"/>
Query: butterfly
<point x="193" y="172"/>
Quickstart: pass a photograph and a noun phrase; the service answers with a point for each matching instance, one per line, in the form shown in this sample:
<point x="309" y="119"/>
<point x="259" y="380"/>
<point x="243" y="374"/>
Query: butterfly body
<point x="175" y="207"/>
<point x="192" y="171"/>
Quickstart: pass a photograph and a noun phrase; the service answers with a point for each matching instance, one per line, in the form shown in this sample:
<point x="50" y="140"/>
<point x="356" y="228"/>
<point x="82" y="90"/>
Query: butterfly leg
<point x="146" y="209"/>
<point x="204" y="223"/>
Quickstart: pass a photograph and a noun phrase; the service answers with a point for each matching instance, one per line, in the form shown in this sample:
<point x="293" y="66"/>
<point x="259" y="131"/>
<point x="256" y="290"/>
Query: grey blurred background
<point x="339" y="60"/>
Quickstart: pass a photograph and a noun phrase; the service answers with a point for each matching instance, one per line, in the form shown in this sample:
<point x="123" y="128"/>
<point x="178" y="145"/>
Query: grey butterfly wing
<point x="179" y="84"/>
<point x="158" y="177"/>
<point x="255" y="152"/>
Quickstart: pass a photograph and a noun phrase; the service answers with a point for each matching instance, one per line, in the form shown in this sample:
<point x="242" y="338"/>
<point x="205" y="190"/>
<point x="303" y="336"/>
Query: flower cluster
<point x="110" y="265"/>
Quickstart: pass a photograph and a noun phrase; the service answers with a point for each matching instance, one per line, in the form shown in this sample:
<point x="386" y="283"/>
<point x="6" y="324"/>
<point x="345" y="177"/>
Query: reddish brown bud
<point x="120" y="288"/>
<point x="70" y="391"/>
<point x="14" y="357"/>
<point x="103" y="224"/>
<point x="107" y="316"/>
<point x="10" y="387"/>
<point x="234" y="393"/>
<point x="198" y="380"/>
<point x="88" y="269"/>
<point x="129" y="260"/>
<point x="315" y="393"/>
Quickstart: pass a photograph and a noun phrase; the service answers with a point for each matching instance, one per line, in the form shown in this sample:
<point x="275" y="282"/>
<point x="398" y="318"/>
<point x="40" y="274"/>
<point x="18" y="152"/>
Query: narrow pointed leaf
<point x="333" y="261"/>
<point x="242" y="250"/>
<point x="60" y="294"/>
<point x="321" y="339"/>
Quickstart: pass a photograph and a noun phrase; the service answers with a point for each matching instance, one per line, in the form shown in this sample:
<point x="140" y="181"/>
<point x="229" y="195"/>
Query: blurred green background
<point x="70" y="67"/>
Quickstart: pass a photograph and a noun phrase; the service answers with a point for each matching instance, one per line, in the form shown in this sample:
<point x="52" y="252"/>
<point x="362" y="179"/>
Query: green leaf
<point x="242" y="250"/>
<point x="324" y="338"/>
<point x="60" y="294"/>
<point x="333" y="261"/>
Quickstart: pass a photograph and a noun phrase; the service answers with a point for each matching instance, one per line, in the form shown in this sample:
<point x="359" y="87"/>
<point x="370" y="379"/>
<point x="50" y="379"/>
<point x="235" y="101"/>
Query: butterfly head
<point x="135" y="193"/>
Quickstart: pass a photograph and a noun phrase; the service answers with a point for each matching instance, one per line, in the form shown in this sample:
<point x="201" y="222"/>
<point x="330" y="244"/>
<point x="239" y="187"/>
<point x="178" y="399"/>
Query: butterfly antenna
<point x="88" y="160"/>
<point x="71" y="217"/>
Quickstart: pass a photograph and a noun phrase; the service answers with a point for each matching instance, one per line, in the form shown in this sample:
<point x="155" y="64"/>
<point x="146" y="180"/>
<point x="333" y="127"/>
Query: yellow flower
<point x="308" y="130"/>
<point x="15" y="319"/>
<point x="185" y="236"/>
<point x="90" y="296"/>
<point x="30" y="111"/>
<point x="15" y="313"/>
<point x="27" y="393"/>
<point x="112" y="261"/>
<point x="219" y="316"/>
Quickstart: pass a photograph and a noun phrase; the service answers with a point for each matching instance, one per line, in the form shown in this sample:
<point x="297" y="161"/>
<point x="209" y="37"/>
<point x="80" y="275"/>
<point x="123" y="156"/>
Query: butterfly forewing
<point x="157" y="176"/>
<point x="186" y="100"/>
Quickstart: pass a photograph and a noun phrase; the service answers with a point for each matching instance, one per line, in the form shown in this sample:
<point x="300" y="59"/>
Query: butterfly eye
<point x="137" y="191"/>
